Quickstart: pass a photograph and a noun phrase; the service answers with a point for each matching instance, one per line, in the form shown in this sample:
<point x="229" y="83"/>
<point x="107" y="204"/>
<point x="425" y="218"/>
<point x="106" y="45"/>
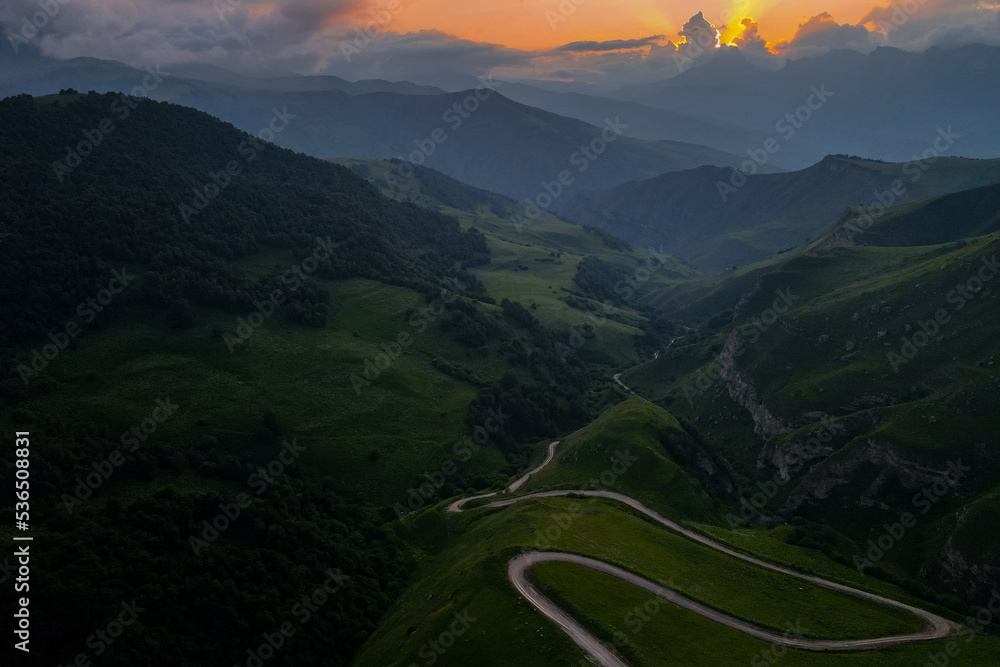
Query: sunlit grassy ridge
<point x="465" y="564"/>
<point x="469" y="573"/>
<point x="652" y="632"/>
<point x="860" y="344"/>
<point x="628" y="449"/>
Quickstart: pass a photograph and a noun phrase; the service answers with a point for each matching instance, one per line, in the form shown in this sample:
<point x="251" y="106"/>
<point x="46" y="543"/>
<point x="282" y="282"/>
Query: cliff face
<point x="840" y="238"/>
<point x="792" y="456"/>
<point x="975" y="576"/>
<point x="953" y="556"/>
<point x="893" y="472"/>
<point x="743" y="392"/>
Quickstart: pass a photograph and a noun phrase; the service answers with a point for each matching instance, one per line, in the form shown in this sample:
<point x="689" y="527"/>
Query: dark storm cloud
<point x="610" y="45"/>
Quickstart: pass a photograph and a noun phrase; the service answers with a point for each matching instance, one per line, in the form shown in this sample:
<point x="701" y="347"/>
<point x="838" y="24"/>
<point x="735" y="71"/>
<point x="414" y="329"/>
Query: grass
<point x="597" y="457"/>
<point x="535" y="263"/>
<point x="468" y="573"/>
<point x="301" y="374"/>
<point x="652" y="632"/>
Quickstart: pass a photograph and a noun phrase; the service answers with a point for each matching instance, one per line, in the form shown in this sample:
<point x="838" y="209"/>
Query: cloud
<point x="249" y="34"/>
<point x="328" y="36"/>
<point x="822" y="34"/>
<point x="414" y="56"/>
<point x="610" y="45"/>
<point x="750" y="37"/>
<point x="698" y="30"/>
<point x="916" y="26"/>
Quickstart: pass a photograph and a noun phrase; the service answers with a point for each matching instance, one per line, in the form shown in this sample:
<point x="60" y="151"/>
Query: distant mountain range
<point x="702" y="217"/>
<point x="478" y="136"/>
<point x="662" y="180"/>
<point x="888" y="104"/>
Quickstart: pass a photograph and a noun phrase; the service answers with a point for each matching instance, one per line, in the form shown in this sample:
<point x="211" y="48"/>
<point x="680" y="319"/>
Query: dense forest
<point x="161" y="209"/>
<point x="152" y="212"/>
<point x="296" y="534"/>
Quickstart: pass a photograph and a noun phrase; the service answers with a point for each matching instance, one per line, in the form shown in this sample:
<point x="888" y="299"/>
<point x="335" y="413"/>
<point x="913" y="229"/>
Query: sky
<point x="596" y="42"/>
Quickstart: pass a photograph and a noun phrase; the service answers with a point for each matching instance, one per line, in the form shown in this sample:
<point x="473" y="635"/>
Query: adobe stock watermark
<point x="102" y="639"/>
<point x="973" y="627"/>
<point x="705" y="41"/>
<point x="775" y="652"/>
<point x="463" y="451"/>
<point x="132" y="438"/>
<point x="248" y="150"/>
<point x="628" y="289"/>
<point x="292" y="280"/>
<point x="32" y="25"/>
<point x="431" y="651"/>
<point x="958" y="297"/>
<point x="562" y="12"/>
<point x="225" y="7"/>
<point x="393" y="350"/>
<point x="454" y="116"/>
<point x="786" y="126"/>
<point x="898" y="14"/>
<point x="366" y="34"/>
<point x="817" y="445"/>
<point x="87" y="311"/>
<point x="302" y="610"/>
<point x="581" y="158"/>
<point x="750" y="333"/>
<point x="120" y="109"/>
<point x="635" y="619"/>
<point x="259" y="481"/>
<point x="923" y="500"/>
<point x="897" y="190"/>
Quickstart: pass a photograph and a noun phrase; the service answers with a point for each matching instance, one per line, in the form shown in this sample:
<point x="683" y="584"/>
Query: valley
<point x="575" y="359"/>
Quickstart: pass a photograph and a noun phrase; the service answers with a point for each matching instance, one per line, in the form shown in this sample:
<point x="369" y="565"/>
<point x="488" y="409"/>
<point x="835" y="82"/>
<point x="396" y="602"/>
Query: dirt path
<point x="457" y="505"/>
<point x="616" y="377"/>
<point x="937" y="627"/>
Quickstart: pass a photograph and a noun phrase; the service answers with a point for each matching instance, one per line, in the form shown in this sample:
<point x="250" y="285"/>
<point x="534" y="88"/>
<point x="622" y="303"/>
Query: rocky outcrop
<point x="894" y="471"/>
<point x="792" y="456"/>
<point x="840" y="238"/>
<point x="743" y="392"/>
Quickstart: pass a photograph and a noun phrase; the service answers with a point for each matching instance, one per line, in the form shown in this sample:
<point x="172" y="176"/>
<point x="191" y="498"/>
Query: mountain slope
<point x="855" y="383"/>
<point x="701" y="216"/>
<point x="185" y="305"/>
<point x="478" y="136"/>
<point x="879" y="92"/>
<point x="651" y="123"/>
<point x="940" y="220"/>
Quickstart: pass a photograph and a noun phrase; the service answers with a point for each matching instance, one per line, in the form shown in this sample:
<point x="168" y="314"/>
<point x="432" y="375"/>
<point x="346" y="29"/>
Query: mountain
<point x="961" y="215"/>
<point x="849" y="375"/>
<point x="184" y="306"/>
<point x="716" y="217"/>
<point x="649" y="123"/>
<point x="477" y="136"/>
<point x="295" y="83"/>
<point x="32" y="74"/>
<point x="888" y="104"/>
<point x="527" y="148"/>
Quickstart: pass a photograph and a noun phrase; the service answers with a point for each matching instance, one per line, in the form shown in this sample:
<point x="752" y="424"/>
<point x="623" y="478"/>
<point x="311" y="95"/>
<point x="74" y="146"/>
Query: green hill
<point x="641" y="450"/>
<point x="282" y="304"/>
<point x="871" y="385"/>
<point x="716" y="218"/>
<point x="453" y="132"/>
<point x="465" y="556"/>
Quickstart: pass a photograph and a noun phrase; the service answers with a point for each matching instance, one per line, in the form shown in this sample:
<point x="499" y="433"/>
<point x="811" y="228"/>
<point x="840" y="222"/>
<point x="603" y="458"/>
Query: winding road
<point x="617" y="378"/>
<point x="937" y="628"/>
<point x="457" y="505"/>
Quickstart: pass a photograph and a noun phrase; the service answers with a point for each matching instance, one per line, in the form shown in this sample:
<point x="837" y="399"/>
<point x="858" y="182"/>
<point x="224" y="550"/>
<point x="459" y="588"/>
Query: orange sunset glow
<point x="544" y="24"/>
